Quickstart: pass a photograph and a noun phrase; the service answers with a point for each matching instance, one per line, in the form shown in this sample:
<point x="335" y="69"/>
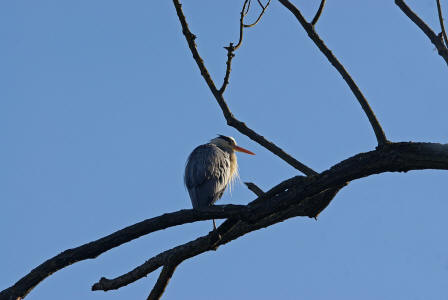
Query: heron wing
<point x="206" y="174"/>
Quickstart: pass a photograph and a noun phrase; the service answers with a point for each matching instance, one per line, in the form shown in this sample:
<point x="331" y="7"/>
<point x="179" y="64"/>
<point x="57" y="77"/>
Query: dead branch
<point x="254" y="188"/>
<point x="442" y="27"/>
<point x="162" y="282"/>
<point x="299" y="196"/>
<point x="263" y="9"/>
<point x="318" y="13"/>
<point x="379" y="133"/>
<point x="434" y="38"/>
<point x="230" y="118"/>
<point x="93" y="249"/>
<point x="231" y="49"/>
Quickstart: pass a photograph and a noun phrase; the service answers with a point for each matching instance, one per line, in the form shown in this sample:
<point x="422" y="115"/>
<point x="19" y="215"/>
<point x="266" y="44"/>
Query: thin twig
<point x="230" y="118"/>
<point x="242" y="15"/>
<point x="434" y="38"/>
<point x="299" y="196"/>
<point x="260" y="15"/>
<point x="254" y="188"/>
<point x="442" y="27"/>
<point x="318" y="13"/>
<point x="162" y="282"/>
<point x="231" y="48"/>
<point x="379" y="133"/>
<point x="230" y="55"/>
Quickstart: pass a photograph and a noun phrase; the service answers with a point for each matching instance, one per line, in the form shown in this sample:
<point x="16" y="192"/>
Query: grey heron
<point x="210" y="169"/>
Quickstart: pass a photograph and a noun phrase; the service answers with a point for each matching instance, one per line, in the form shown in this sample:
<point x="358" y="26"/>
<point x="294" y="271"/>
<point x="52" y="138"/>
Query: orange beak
<point x="240" y="149"/>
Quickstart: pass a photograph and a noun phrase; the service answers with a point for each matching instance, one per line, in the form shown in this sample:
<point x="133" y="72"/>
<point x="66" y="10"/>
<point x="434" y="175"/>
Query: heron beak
<point x="240" y="149"/>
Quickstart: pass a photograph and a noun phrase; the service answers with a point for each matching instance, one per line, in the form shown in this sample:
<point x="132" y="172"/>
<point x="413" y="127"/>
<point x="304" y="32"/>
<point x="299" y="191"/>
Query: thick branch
<point x="231" y="120"/>
<point x="299" y="196"/>
<point x="162" y="282"/>
<point x="379" y="133"/>
<point x="434" y="38"/>
<point x="93" y="249"/>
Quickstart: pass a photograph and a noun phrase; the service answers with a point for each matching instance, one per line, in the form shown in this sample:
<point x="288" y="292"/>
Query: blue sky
<point x="101" y="103"/>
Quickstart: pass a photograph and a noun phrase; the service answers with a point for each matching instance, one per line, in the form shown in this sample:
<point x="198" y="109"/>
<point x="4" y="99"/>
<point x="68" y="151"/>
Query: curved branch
<point x="434" y="38"/>
<point x="243" y="14"/>
<point x="299" y="196"/>
<point x="260" y="15"/>
<point x="93" y="249"/>
<point x="379" y="133"/>
<point x="318" y="13"/>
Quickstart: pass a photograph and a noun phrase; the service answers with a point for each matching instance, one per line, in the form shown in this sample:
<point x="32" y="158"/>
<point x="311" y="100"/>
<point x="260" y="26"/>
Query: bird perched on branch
<point x="210" y="169"/>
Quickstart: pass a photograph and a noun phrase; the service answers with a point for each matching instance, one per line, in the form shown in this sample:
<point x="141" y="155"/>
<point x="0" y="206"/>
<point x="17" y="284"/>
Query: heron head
<point x="229" y="143"/>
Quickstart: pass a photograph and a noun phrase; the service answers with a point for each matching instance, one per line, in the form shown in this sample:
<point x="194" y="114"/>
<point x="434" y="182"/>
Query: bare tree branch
<point x="318" y="13"/>
<point x="442" y="27"/>
<point x="94" y="249"/>
<point x="380" y="136"/>
<point x="434" y="38"/>
<point x="254" y="188"/>
<point x="230" y="55"/>
<point x="231" y="49"/>
<point x="162" y="282"/>
<point x="230" y="118"/>
<point x="260" y="15"/>
<point x="299" y="196"/>
<point x="243" y="14"/>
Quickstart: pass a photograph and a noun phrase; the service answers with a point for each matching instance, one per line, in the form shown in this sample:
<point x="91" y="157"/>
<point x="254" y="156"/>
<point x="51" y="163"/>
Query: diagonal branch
<point x="162" y="282"/>
<point x="318" y="13"/>
<point x="442" y="27"/>
<point x="93" y="249"/>
<point x="434" y="38"/>
<point x="230" y="118"/>
<point x="379" y="133"/>
<point x="298" y="196"/>
<point x="254" y="188"/>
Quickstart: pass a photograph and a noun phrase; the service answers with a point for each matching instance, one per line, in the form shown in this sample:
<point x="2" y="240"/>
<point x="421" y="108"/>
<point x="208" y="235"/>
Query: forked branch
<point x="231" y="48"/>
<point x="433" y="37"/>
<point x="442" y="27"/>
<point x="263" y="9"/>
<point x="230" y="118"/>
<point x="297" y="196"/>
<point x="379" y="133"/>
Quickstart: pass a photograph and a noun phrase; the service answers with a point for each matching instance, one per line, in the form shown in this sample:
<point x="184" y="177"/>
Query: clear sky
<point x="101" y="103"/>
